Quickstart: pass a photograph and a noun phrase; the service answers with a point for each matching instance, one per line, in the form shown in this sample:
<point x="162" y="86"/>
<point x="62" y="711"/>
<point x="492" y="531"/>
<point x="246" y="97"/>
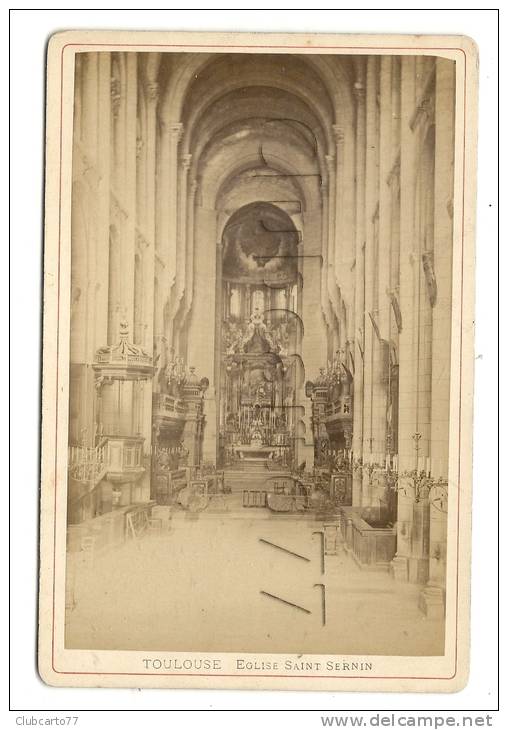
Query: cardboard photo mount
<point x="227" y="667"/>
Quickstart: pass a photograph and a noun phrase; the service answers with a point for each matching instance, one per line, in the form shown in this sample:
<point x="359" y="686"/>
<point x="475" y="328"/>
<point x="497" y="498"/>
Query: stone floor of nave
<point x="197" y="587"/>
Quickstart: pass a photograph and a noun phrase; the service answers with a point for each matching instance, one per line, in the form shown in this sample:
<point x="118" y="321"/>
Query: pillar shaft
<point x="332" y="241"/>
<point x="382" y="304"/>
<point x="175" y="131"/>
<point x="178" y="297"/>
<point x="359" y="291"/>
<point x="407" y="385"/>
<point x="371" y="225"/>
<point x="432" y="600"/>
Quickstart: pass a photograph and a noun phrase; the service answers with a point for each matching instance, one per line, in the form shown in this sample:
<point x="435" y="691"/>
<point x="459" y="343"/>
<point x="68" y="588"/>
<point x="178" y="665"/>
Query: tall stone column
<point x="219" y="252"/>
<point x="394" y="292"/>
<point x="102" y="215"/>
<point x="382" y="305"/>
<point x="432" y="598"/>
<point x="173" y="136"/>
<point x="345" y="219"/>
<point x="342" y="234"/>
<point x="152" y="95"/>
<point x="124" y="105"/>
<point x="343" y="223"/>
<point x="423" y="132"/>
<point x="407" y="383"/>
<point x="90" y="244"/>
<point x="90" y="238"/>
<point x="127" y="186"/>
<point x="314" y="341"/>
<point x="189" y="267"/>
<point x="370" y="212"/>
<point x="359" y="291"/>
<point x="149" y="303"/>
<point x="89" y="86"/>
<point x="178" y="301"/>
<point x="202" y="325"/>
<point x="122" y="408"/>
<point x="84" y="178"/>
<point x="326" y="308"/>
<point x="423" y="312"/>
<point x="331" y="286"/>
<point x="102" y="222"/>
<point x="339" y="213"/>
<point x="161" y="282"/>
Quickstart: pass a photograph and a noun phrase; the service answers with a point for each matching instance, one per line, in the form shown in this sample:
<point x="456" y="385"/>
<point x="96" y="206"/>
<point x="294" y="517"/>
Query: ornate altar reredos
<point x="261" y="332"/>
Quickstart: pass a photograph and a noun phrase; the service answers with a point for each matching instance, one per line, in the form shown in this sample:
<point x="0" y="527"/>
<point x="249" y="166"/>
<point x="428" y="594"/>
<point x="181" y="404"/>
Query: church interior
<point x="260" y="345"/>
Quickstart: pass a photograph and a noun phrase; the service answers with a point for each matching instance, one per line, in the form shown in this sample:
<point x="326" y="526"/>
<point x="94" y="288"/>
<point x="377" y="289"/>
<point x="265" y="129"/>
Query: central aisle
<point x="199" y="588"/>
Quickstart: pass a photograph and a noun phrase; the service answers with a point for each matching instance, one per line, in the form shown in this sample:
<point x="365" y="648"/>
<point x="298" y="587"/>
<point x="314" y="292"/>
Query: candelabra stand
<point x="426" y="488"/>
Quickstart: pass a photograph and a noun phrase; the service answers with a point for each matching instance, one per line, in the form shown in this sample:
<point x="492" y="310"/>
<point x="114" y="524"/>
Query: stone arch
<point x="236" y="84"/>
<point x="308" y="197"/>
<point x="337" y="80"/>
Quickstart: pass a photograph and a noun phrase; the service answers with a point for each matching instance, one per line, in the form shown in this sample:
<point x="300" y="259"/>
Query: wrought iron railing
<point x="87" y="463"/>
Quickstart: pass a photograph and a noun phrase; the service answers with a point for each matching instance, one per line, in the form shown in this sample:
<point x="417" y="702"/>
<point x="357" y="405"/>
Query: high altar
<point x="261" y="333"/>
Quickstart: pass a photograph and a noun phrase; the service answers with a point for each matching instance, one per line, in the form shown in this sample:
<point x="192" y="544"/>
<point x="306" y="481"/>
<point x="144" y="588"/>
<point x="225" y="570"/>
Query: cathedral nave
<point x="260" y="345"/>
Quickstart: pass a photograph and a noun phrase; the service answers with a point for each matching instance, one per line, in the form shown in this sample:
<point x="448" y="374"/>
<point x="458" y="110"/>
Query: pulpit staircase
<point x="87" y="467"/>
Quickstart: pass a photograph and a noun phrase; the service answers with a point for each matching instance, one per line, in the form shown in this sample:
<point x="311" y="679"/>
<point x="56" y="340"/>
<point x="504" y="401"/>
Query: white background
<point x="30" y="697"/>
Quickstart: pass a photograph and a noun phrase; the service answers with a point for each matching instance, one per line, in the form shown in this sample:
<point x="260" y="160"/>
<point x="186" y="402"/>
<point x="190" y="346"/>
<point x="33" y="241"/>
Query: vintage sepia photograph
<point x="261" y="376"/>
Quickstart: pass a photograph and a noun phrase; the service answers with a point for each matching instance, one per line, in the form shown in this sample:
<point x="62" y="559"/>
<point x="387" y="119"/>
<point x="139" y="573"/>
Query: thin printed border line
<point x="190" y="45"/>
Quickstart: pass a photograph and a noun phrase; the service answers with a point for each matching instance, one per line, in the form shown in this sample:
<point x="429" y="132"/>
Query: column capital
<point x="338" y="133"/>
<point x="139" y="146"/>
<point x="330" y="161"/>
<point x="185" y="161"/>
<point x="176" y="130"/>
<point x="359" y="92"/>
<point x="152" y="90"/>
<point x="173" y="129"/>
<point x="116" y="95"/>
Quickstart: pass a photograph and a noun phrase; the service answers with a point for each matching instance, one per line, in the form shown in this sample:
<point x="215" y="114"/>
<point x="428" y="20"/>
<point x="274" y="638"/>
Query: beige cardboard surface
<point x="188" y="606"/>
